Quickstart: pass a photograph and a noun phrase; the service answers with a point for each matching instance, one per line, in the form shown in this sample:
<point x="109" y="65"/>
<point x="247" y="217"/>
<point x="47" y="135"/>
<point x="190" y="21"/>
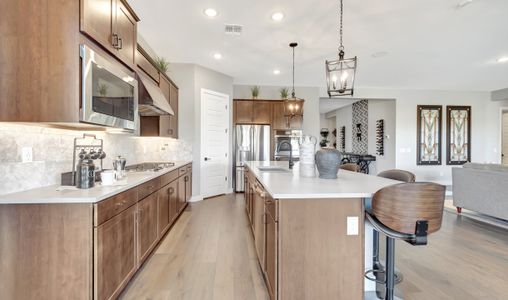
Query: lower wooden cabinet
<point x="271" y="251"/>
<point x="163" y="209"/>
<point x="147" y="226"/>
<point x="114" y="254"/>
<point x="188" y="186"/>
<point x="181" y="194"/>
<point x="259" y="223"/>
<point x="95" y="248"/>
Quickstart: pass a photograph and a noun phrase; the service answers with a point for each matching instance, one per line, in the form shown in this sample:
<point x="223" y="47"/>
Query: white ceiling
<point x="430" y="43"/>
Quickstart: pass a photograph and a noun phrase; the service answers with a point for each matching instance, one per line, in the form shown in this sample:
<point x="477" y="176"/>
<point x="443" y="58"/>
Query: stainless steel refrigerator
<point x="252" y="143"/>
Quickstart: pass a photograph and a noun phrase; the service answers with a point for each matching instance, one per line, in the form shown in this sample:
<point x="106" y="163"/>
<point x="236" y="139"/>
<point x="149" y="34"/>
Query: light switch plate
<point x="352" y="225"/>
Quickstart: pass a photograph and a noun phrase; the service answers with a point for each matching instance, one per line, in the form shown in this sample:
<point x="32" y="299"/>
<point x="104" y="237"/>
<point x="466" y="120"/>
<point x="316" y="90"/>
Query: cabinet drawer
<point x="148" y="188"/>
<point x="182" y="171"/>
<point x="189" y="168"/>
<point x="169" y="177"/>
<point x="107" y="209"/>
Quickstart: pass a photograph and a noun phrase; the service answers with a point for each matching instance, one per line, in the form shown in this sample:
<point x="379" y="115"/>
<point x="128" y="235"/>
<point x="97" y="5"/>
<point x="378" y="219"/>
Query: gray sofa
<point x="482" y="188"/>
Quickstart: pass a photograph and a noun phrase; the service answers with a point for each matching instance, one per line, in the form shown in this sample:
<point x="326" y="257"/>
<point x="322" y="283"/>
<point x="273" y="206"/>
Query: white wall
<point x="485" y="133"/>
<point x="378" y="109"/>
<point x="344" y="117"/>
<point x="382" y="110"/>
<point x="311" y="116"/>
<point x="190" y="79"/>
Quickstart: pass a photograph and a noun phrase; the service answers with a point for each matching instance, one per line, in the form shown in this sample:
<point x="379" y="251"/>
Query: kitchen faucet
<point x="291" y="163"/>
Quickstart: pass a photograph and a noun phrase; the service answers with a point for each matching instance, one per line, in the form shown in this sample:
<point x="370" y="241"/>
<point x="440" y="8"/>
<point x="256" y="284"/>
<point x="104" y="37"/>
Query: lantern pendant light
<point x="340" y="73"/>
<point x="293" y="107"/>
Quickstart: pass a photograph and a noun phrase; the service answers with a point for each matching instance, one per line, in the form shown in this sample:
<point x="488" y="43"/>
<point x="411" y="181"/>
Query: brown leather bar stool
<point x="378" y="268"/>
<point x="350" y="167"/>
<point x="409" y="212"/>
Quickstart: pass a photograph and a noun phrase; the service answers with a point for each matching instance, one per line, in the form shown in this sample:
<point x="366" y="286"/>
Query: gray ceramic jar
<point x="328" y="162"/>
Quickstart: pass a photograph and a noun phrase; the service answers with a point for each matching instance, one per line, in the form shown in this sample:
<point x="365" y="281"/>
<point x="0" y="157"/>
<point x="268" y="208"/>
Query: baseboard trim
<point x="196" y="198"/>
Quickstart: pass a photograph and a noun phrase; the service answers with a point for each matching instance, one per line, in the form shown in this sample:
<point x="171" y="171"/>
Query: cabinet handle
<point x="114" y="40"/>
<point x="186" y="178"/>
<point x="170" y="131"/>
<point x="259" y="191"/>
<point x="120" y="46"/>
<point x="171" y="190"/>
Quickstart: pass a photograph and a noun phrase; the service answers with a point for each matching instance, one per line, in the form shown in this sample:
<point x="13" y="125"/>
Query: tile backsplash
<point x="52" y="153"/>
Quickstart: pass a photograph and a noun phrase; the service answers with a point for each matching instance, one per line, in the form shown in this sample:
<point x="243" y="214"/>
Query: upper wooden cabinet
<point x="166" y="126"/>
<point x="126" y="30"/>
<point x="111" y="23"/>
<point x="262" y="112"/>
<point x="39" y="61"/>
<point x="243" y="112"/>
<point x="280" y="121"/>
<point x="143" y="62"/>
<point x="173" y="120"/>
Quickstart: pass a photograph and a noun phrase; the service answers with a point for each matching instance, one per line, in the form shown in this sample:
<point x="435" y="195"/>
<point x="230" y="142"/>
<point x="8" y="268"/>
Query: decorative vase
<point x="328" y="161"/>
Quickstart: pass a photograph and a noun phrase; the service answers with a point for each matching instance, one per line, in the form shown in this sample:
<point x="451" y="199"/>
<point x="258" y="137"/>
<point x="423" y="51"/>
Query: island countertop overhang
<point x="291" y="185"/>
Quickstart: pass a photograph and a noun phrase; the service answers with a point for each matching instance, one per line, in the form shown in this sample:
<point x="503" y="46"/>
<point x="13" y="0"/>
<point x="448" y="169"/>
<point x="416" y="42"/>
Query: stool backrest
<point x="350" y="167"/>
<point x="399" y="206"/>
<point x="400" y="175"/>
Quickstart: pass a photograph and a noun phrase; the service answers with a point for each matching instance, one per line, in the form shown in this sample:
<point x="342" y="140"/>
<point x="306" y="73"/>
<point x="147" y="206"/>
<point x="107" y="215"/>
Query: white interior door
<point x="214" y="143"/>
<point x="504" y="138"/>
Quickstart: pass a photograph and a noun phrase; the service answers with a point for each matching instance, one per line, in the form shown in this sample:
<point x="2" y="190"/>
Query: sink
<point x="272" y="169"/>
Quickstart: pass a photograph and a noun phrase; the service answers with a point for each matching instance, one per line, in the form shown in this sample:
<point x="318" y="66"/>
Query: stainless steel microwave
<point x="109" y="95"/>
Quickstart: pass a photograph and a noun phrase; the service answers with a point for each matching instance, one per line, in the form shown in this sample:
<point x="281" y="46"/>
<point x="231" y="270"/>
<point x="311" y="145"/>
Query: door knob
<point x="207" y="158"/>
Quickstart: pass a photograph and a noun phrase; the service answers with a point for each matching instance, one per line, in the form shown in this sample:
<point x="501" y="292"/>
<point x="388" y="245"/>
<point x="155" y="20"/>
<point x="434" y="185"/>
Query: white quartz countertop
<point x="290" y="185"/>
<point x="50" y="194"/>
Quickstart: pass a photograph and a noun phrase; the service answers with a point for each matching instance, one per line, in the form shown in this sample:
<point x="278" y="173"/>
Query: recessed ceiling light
<point x="210" y="12"/>
<point x="464" y="3"/>
<point x="278" y="16"/>
<point x="503" y="59"/>
<point x="217" y="56"/>
<point x="276" y="72"/>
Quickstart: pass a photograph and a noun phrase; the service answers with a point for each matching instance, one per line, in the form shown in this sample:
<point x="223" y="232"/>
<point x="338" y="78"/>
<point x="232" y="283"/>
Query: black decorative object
<point x="324" y="134"/>
<point x="343" y="138"/>
<point x="380" y="137"/>
<point x="359" y="132"/>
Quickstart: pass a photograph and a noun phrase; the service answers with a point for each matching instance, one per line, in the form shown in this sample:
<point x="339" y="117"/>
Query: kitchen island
<point x="309" y="232"/>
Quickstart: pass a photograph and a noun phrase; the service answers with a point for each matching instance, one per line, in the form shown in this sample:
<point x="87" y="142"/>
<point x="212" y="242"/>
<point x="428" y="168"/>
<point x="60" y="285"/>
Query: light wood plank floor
<point x="209" y="254"/>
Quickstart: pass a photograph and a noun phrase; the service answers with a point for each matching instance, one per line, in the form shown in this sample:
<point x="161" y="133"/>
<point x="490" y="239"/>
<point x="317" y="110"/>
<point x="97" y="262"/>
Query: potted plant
<point x="255" y="91"/>
<point x="162" y="64"/>
<point x="284" y="93"/>
<point x="102" y="88"/>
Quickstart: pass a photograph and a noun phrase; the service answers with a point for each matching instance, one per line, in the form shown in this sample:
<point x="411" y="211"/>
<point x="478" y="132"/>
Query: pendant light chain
<point x="341" y="16"/>
<point x="293" y="92"/>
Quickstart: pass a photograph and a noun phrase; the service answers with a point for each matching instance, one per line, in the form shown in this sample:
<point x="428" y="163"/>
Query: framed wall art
<point x="428" y="135"/>
<point x="458" y="135"/>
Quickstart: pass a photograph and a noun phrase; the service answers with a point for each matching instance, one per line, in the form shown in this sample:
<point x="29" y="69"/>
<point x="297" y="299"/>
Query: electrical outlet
<point x="26" y="154"/>
<point x="352" y="225"/>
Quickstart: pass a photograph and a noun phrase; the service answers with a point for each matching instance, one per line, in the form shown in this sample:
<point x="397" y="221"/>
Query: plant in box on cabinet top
<point x="284" y="93"/>
<point x="162" y="64"/>
<point x="255" y="91"/>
